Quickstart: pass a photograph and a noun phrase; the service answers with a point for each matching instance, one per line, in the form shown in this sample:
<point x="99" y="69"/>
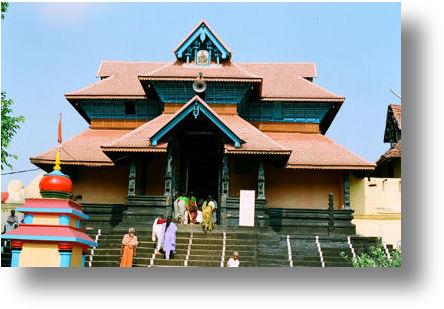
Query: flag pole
<point x="59" y="140"/>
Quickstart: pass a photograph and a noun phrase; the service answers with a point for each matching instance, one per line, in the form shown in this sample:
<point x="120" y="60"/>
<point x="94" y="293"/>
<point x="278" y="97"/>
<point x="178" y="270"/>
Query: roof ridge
<point x="244" y="70"/>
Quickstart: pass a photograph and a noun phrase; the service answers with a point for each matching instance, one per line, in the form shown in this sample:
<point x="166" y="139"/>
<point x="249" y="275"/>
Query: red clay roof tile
<point x="316" y="151"/>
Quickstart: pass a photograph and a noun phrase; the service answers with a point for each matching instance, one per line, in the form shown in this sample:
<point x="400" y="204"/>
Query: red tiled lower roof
<point x="82" y="149"/>
<point x="393" y="153"/>
<point x="316" y="151"/>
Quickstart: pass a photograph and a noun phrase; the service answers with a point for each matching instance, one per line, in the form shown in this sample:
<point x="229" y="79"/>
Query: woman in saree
<point x="128" y="248"/>
<point x="207" y="211"/>
<point x="192" y="209"/>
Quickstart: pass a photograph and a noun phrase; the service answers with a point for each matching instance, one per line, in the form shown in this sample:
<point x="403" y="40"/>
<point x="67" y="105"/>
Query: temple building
<point x="389" y="165"/>
<point x="205" y="124"/>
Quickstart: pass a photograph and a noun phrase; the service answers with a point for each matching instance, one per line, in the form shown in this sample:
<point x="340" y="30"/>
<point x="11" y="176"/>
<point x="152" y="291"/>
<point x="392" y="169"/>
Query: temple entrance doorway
<point x="199" y="156"/>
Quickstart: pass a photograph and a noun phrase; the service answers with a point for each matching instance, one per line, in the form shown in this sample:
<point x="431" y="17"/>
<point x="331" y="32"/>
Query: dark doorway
<point x="202" y="161"/>
<point x="199" y="154"/>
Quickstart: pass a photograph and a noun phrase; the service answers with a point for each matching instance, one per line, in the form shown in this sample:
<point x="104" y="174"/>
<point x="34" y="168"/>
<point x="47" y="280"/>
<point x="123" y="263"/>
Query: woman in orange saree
<point x="128" y="248"/>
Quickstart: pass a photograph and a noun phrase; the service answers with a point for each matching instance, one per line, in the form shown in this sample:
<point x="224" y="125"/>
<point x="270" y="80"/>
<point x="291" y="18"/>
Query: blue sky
<point x="51" y="49"/>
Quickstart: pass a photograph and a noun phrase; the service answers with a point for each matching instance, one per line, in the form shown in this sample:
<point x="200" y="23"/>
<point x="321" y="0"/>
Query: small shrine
<point x="50" y="235"/>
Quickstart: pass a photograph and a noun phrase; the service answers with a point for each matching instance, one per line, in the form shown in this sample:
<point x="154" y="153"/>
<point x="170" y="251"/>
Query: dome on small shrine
<point x="56" y="185"/>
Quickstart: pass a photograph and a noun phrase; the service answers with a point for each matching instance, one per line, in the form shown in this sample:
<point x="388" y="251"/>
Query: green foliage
<point x="10" y="125"/>
<point x="376" y="257"/>
<point x="4" y="9"/>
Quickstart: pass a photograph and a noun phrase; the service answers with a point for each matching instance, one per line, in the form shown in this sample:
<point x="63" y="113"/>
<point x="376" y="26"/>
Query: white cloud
<point x="63" y="12"/>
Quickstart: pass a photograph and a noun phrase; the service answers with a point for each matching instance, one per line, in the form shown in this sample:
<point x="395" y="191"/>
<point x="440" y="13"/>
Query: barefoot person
<point x="158" y="233"/>
<point x="169" y="241"/>
<point x="207" y="211"/>
<point x="128" y="248"/>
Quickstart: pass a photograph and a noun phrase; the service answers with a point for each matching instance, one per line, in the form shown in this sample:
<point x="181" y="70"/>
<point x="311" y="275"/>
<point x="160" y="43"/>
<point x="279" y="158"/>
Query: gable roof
<point x="393" y="118"/>
<point x="253" y="140"/>
<point x="213" y="35"/>
<point x="199" y="105"/>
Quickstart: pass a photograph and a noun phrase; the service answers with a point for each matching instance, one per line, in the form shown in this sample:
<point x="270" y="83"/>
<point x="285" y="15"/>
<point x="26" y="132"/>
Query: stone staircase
<point x="256" y="247"/>
<point x="193" y="248"/>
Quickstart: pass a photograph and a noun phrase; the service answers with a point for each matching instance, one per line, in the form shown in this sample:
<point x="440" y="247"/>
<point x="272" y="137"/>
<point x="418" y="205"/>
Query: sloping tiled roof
<point x="396" y="110"/>
<point x="223" y="72"/>
<point x="82" y="149"/>
<point x="255" y="141"/>
<point x="393" y="153"/>
<point x="280" y="81"/>
<point x="316" y="151"/>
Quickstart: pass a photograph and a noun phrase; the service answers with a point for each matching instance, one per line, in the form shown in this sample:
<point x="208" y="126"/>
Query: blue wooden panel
<point x="286" y="112"/>
<point x="216" y="93"/>
<point x="115" y="109"/>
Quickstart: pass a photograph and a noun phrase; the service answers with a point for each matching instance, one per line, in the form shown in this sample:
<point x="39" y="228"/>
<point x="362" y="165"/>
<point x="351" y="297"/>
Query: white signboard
<point x="246" y="207"/>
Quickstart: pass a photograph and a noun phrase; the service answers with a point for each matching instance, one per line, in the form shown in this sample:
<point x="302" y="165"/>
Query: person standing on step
<point x="128" y="248"/>
<point x="234" y="260"/>
<point x="213" y="204"/>
<point x="182" y="206"/>
<point x="158" y="233"/>
<point x="169" y="242"/>
<point x="192" y="209"/>
<point x="207" y="210"/>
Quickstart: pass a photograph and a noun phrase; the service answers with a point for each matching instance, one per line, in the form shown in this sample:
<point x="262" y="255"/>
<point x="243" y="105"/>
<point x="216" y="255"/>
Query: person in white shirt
<point x="234" y="260"/>
<point x="158" y="233"/>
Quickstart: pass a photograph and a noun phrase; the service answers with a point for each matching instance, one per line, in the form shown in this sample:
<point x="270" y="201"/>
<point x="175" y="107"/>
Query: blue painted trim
<point x="64" y="220"/>
<point x="15" y="257"/>
<point x="53" y="210"/>
<point x="189" y="109"/>
<point x="27" y="219"/>
<point x="78" y="223"/>
<point x="51" y="238"/>
<point x="83" y="260"/>
<point x="202" y="30"/>
<point x="65" y="259"/>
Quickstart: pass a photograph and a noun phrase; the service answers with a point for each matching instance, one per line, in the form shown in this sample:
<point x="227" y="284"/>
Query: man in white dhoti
<point x="212" y="202"/>
<point x="180" y="209"/>
<point x="158" y="233"/>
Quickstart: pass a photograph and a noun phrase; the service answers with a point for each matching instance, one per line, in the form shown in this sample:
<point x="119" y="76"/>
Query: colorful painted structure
<point x="256" y="126"/>
<point x="50" y="235"/>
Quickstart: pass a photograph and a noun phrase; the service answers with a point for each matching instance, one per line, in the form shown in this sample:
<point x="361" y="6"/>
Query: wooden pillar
<point x="132" y="178"/>
<point x="169" y="179"/>
<point x="225" y="189"/>
<point x="261" y="181"/>
<point x="346" y="185"/>
<point x="331" y="214"/>
<point x="169" y="172"/>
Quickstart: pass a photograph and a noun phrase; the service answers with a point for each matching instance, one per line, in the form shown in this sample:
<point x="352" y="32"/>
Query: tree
<point x="4" y="9"/>
<point x="10" y="125"/>
<point x="376" y="257"/>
